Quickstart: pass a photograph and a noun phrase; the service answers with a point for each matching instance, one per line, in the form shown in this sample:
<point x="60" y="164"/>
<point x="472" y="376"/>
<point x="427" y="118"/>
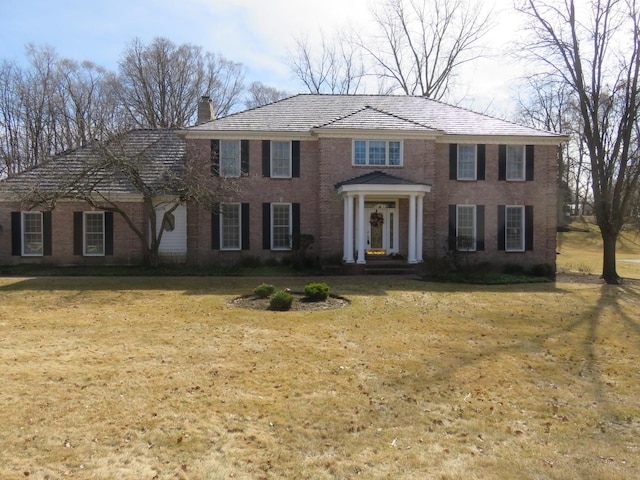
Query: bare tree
<point x="161" y="83"/>
<point x="595" y="49"/>
<point x="259" y="94"/>
<point x="420" y="44"/>
<point x="337" y="68"/>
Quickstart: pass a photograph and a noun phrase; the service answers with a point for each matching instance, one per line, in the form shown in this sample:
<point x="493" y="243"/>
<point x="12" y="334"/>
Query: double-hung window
<point x="94" y="233"/>
<point x="230" y="158"/>
<point x="281" y="159"/>
<point x="515" y="168"/>
<point x="281" y="228"/>
<point x="514" y="228"/>
<point x="230" y="225"/>
<point x="32" y="234"/>
<point x="466" y="228"/>
<point x="467" y="162"/>
<point x="377" y="153"/>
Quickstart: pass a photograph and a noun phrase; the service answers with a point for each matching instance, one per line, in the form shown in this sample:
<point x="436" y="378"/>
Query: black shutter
<point x="244" y="212"/>
<point x="215" y="158"/>
<point x="481" y="161"/>
<point x="108" y="233"/>
<point x="244" y="158"/>
<point x="452" y="227"/>
<point x="16" y="233"/>
<point x="502" y="162"/>
<point x="266" y="158"/>
<point x="529" y="163"/>
<point x="528" y="227"/>
<point x="77" y="233"/>
<point x="501" y="227"/>
<point x="480" y="227"/>
<point x="295" y="225"/>
<point x="266" y="226"/>
<point x="295" y="158"/>
<point x="47" y="234"/>
<point x="453" y="161"/>
<point x="215" y="227"/>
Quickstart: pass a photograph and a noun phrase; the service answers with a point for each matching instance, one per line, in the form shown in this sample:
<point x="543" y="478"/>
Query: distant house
<point x="361" y="175"/>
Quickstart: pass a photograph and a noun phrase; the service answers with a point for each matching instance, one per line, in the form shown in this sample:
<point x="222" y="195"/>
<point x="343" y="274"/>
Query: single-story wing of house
<point x="353" y="177"/>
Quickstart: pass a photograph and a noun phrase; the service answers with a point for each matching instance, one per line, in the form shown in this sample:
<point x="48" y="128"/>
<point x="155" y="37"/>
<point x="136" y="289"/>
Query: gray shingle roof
<point x="376" y="178"/>
<point x="308" y="112"/>
<point x="153" y="152"/>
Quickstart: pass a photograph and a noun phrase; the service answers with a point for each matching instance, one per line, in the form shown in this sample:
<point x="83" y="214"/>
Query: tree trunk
<point x="609" y="273"/>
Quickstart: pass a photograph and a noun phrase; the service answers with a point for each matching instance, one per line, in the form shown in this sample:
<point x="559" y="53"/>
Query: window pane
<point x="465" y="233"/>
<point x="377" y="153"/>
<point x="394" y="153"/>
<point x="229" y="158"/>
<point x="32" y="233"/>
<point x="280" y="159"/>
<point x="514" y="228"/>
<point x="230" y="226"/>
<point x="466" y="162"/>
<point x="515" y="162"/>
<point x="360" y="152"/>
<point x="94" y="233"/>
<point x="280" y="225"/>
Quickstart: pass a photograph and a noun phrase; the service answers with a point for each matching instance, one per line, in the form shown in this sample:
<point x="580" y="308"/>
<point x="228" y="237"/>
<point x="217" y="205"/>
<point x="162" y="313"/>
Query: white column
<point x="361" y="230"/>
<point x="412" y="229"/>
<point x="420" y="228"/>
<point x="345" y="227"/>
<point x="350" y="224"/>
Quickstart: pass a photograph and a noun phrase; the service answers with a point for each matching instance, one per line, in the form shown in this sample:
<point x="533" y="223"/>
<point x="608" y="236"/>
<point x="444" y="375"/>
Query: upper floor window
<point x="466" y="162"/>
<point x="281" y="159"/>
<point x="515" y="162"/>
<point x="377" y="153"/>
<point x="229" y="158"/>
<point x="32" y="234"/>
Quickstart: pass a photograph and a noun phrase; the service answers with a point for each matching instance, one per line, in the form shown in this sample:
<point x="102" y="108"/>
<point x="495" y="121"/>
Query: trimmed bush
<point x="280" y="301"/>
<point x="264" y="290"/>
<point x="316" y="292"/>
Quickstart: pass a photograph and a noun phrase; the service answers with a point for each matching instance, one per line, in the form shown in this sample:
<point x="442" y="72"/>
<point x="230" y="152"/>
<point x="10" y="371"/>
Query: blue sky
<point x="257" y="33"/>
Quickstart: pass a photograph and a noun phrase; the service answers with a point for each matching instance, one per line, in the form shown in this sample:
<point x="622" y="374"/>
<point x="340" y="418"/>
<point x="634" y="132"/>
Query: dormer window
<point x="377" y="153"/>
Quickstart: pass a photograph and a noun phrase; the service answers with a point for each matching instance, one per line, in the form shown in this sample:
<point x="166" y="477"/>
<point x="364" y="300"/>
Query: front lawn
<point x="163" y="377"/>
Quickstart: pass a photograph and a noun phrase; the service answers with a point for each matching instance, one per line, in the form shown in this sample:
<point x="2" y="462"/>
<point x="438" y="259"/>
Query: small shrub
<point x="543" y="270"/>
<point x="513" y="269"/>
<point x="316" y="292"/>
<point x="250" y="261"/>
<point x="280" y="301"/>
<point x="264" y="290"/>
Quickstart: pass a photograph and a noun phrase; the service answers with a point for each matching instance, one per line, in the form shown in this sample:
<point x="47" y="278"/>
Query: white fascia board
<point x="371" y="189"/>
<point x="505" y="139"/>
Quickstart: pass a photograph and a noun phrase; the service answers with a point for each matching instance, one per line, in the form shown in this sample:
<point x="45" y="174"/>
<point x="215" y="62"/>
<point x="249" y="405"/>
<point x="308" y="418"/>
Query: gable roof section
<point x="157" y="152"/>
<point x="306" y="114"/>
<point x="380" y="182"/>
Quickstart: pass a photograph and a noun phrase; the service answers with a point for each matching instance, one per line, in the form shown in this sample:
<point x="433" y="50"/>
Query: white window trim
<point x="475" y="162"/>
<point x="238" y="159"/>
<point x="386" y="153"/>
<point x="273" y="175"/>
<point x="290" y="233"/>
<point x="524" y="164"/>
<point x="24" y="233"/>
<point x="222" y="246"/>
<point x="521" y="248"/>
<point x="84" y="235"/>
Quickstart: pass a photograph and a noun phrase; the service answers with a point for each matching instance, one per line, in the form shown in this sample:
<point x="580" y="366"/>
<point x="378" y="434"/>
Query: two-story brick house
<point x="362" y="175"/>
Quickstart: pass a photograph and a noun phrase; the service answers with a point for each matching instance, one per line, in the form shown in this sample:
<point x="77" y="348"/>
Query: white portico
<point x="372" y="214"/>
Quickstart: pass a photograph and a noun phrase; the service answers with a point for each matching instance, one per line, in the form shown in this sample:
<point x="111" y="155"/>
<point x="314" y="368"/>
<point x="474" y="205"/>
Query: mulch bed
<point x="299" y="303"/>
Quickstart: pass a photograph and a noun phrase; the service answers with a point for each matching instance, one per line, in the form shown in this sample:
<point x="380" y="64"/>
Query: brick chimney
<point x="205" y="110"/>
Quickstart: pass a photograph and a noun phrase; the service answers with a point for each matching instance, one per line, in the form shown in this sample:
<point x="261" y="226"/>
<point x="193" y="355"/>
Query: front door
<point x="381" y="228"/>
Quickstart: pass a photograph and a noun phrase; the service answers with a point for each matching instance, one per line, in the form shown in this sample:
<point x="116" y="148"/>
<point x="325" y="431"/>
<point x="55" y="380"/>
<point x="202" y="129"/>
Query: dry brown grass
<point x="141" y="378"/>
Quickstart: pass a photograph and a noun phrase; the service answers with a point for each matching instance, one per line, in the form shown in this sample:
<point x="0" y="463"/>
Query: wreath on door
<point x="376" y="219"/>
